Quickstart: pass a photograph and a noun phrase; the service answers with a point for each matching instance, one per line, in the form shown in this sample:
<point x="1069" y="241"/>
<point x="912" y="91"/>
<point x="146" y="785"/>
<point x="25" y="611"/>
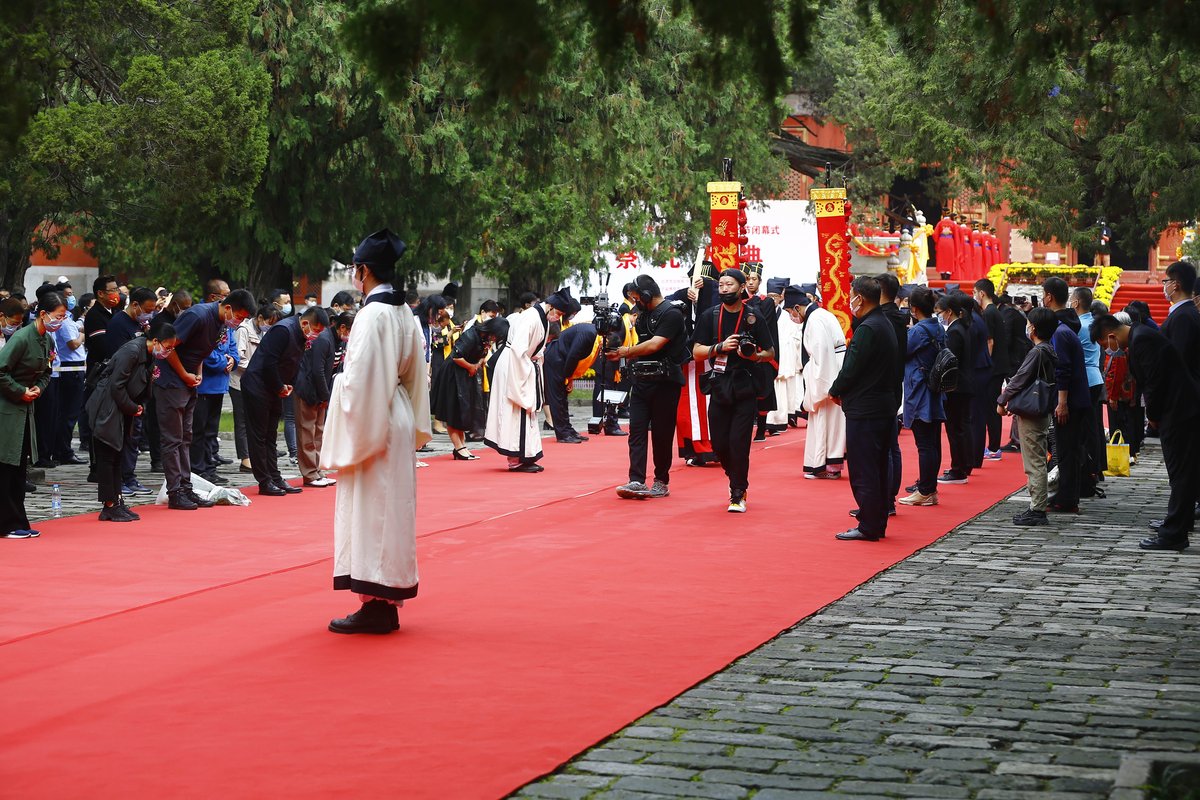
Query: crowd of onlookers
<point x="1065" y="372"/>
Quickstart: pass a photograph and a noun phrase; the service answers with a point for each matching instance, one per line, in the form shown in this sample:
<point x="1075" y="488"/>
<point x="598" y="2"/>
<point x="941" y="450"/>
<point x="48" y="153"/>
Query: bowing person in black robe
<point x="454" y="395"/>
<point x="575" y="346"/>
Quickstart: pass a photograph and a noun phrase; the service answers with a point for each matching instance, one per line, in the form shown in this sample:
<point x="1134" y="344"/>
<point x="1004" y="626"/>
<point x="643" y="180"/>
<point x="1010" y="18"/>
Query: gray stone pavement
<point x="1000" y="662"/>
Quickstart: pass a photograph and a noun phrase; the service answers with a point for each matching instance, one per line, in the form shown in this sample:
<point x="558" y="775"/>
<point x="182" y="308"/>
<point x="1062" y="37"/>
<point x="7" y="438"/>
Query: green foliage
<point x="1068" y="124"/>
<point x="147" y="117"/>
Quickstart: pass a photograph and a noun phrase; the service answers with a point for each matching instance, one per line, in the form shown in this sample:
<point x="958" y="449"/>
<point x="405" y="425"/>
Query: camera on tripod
<point x="607" y="317"/>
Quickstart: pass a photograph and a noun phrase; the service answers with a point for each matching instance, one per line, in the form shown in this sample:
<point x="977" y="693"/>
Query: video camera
<point x="605" y="316"/>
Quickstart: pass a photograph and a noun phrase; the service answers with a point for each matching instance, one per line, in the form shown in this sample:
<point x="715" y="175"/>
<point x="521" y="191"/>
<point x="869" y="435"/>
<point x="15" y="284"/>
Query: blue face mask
<point x="9" y="330"/>
<point x="52" y="324"/>
<point x="144" y="319"/>
<point x="71" y="303"/>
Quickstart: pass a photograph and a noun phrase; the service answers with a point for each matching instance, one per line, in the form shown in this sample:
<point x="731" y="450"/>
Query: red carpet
<point x="186" y="655"/>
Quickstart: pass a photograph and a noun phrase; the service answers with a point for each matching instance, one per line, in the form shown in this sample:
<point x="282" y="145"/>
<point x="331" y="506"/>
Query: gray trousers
<point x="175" y="406"/>
<point x="1035" y="442"/>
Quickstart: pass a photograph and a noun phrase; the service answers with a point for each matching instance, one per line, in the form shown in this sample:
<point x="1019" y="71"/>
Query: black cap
<point x="796" y="296"/>
<point x="777" y="285"/>
<point x="562" y="300"/>
<point x="736" y="274"/>
<point x="382" y="248"/>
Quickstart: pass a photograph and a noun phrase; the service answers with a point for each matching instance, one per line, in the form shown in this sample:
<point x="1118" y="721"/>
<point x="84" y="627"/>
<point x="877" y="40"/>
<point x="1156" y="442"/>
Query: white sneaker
<point x="321" y="482"/>
<point x="737" y="505"/>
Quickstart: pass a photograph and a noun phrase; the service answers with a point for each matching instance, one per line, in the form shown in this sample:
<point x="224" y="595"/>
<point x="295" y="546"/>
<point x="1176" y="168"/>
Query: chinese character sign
<point x="833" y="252"/>
<point x="723" y="223"/>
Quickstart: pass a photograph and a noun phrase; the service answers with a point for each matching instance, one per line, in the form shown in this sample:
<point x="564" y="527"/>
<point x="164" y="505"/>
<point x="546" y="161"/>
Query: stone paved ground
<point x="1001" y="662"/>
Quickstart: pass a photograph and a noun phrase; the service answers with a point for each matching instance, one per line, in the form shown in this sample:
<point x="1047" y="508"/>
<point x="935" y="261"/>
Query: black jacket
<point x="314" y="379"/>
<point x="1172" y="395"/>
<point x="276" y="360"/>
<point x="867" y="382"/>
<point x="1182" y="329"/>
<point x="958" y="341"/>
<point x="899" y="321"/>
<point x="572" y="346"/>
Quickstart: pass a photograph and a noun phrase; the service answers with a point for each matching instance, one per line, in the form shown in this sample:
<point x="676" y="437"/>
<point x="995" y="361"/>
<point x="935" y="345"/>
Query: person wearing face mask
<point x="656" y="369"/>
<point x="65" y="394"/>
<point x="1073" y="414"/>
<point x="199" y="329"/>
<point x="12" y="315"/>
<point x="118" y="399"/>
<point x="1172" y="401"/>
<point x="822" y="352"/>
<point x="246" y="339"/>
<point x="513" y="423"/>
<point x="378" y="418"/>
<point x="1182" y="325"/>
<point x="314" y="385"/>
<point x="128" y="324"/>
<point x="924" y="411"/>
<point x="734" y="337"/>
<point x="267" y="381"/>
<point x="99" y="349"/>
<point x="865" y="389"/>
<point x="205" y="452"/>
<point x="1034" y="430"/>
<point x="282" y="299"/>
<point x="24" y="375"/>
<point x="954" y="313"/>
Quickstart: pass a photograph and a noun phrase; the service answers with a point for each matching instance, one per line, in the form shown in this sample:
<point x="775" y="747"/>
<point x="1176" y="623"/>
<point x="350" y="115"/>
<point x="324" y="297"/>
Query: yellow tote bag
<point x="1118" y="457"/>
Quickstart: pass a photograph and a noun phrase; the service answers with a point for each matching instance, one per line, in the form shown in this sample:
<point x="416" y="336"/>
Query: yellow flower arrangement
<point x="1104" y="280"/>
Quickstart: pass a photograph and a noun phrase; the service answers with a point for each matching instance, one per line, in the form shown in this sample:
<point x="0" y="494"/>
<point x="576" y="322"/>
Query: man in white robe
<point x="822" y="350"/>
<point x="517" y="390"/>
<point x="378" y="417"/>
<point x="787" y="383"/>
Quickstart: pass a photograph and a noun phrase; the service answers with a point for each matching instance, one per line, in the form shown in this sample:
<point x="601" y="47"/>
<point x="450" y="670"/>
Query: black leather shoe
<point x="855" y="535"/>
<point x="224" y="460"/>
<point x="375" y="616"/>
<point x="215" y="478"/>
<point x="1159" y="543"/>
<point x="45" y="463"/>
<point x="270" y="490"/>
<point x="30" y="487"/>
<point x="199" y="501"/>
<point x="288" y="488"/>
<point x="72" y="459"/>
<point x="854" y="512"/>
<point x="572" y="440"/>
<point x="528" y="468"/>
<point x="181" y="502"/>
<point x="615" y="431"/>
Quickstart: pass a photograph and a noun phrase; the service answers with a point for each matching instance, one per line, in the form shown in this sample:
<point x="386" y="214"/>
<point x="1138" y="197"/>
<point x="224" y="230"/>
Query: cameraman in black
<point x="735" y="337"/>
<point x="656" y="368"/>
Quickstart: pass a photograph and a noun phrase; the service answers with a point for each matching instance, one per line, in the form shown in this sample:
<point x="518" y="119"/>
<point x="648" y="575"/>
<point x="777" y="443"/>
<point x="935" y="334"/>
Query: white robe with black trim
<point x="516" y="398"/>
<point x="378" y="417"/>
<point x="825" y="345"/>
<point x="787" y="379"/>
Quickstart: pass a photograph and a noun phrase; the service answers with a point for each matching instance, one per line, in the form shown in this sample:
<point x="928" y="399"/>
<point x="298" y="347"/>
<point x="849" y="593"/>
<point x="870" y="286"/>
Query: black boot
<point x="375" y="616"/>
<point x="180" y="501"/>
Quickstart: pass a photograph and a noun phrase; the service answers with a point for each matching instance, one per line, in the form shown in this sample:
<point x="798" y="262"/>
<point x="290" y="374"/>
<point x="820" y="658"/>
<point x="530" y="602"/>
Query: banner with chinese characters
<point x="834" y="253"/>
<point x="723" y="199"/>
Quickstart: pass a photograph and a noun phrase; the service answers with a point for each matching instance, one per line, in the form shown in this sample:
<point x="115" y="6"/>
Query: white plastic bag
<point x="221" y="495"/>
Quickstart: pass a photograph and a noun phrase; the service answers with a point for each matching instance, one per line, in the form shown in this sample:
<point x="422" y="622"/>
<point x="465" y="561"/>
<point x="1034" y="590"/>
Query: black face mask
<point x="729" y="298"/>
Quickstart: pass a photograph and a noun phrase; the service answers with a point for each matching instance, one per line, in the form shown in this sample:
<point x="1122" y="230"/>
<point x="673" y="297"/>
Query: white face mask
<point x="1167" y="291"/>
<point x="855" y="309"/>
<point x="1029" y="332"/>
<point x="356" y="282"/>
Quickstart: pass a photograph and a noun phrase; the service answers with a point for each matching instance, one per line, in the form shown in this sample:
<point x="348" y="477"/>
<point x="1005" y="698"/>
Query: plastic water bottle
<point x="56" y="501"/>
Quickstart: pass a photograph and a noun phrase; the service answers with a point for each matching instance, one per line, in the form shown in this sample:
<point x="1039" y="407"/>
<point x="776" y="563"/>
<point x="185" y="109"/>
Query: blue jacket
<point x="1091" y="351"/>
<point x="924" y="340"/>
<point x="1069" y="373"/>
<point x="213" y="378"/>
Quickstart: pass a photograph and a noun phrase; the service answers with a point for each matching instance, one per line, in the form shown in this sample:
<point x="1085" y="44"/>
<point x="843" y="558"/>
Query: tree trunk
<point x="16" y="234"/>
<point x="267" y="273"/>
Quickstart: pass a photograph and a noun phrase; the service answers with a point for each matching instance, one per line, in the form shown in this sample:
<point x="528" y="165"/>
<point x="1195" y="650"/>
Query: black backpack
<point x="943" y="375"/>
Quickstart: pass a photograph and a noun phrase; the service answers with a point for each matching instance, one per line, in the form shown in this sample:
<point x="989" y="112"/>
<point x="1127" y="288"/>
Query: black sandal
<point x="458" y="455"/>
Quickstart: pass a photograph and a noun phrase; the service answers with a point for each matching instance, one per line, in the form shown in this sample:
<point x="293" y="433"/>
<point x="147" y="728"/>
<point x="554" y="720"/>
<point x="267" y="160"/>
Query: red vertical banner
<point x="834" y="252"/>
<point x="723" y="223"/>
